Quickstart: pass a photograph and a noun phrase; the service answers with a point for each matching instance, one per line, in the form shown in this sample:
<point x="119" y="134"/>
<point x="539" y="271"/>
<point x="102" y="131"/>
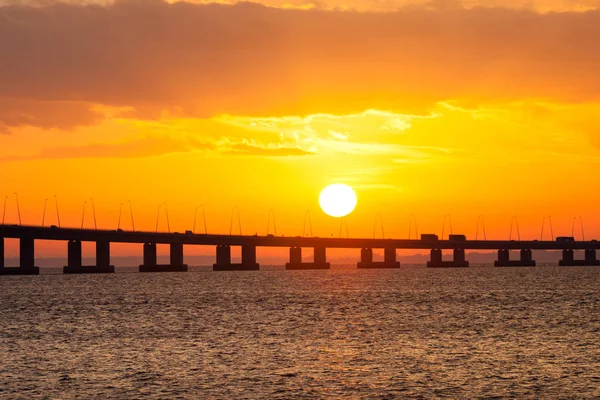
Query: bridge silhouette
<point x="27" y="235"/>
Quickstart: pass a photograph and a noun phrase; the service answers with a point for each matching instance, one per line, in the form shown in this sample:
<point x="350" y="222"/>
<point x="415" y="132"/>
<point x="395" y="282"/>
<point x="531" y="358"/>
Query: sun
<point x="338" y="200"/>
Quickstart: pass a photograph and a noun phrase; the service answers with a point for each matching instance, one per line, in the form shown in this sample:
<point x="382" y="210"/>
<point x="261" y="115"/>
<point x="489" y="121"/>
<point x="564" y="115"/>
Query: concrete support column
<point x="526" y="256"/>
<point x="436" y="256"/>
<point x="248" y="255"/>
<point x="150" y="254"/>
<point x="295" y="255"/>
<point x="567" y="255"/>
<point x="503" y="255"/>
<point x="27" y="253"/>
<point x="223" y="254"/>
<point x="74" y="254"/>
<point x="320" y="255"/>
<point x="590" y="256"/>
<point x="1" y="252"/>
<point x="459" y="256"/>
<point x="389" y="256"/>
<point x="176" y="253"/>
<point x="366" y="256"/>
<point x="102" y="253"/>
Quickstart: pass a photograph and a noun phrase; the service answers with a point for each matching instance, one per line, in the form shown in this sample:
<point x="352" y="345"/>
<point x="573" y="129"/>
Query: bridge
<point x="27" y="235"/>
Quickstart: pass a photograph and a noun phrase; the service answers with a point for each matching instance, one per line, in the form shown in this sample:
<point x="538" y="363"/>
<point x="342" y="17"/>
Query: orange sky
<point x="423" y="107"/>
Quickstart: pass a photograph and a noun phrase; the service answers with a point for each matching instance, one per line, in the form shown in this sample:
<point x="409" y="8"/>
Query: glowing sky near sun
<point x="431" y="108"/>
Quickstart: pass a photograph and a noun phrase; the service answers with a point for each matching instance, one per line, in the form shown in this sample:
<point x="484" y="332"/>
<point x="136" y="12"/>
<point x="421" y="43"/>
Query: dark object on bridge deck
<point x="27" y="262"/>
<point x="458" y="261"/>
<point x="568" y="259"/>
<point x="150" y="258"/>
<point x="224" y="259"/>
<point x="429" y="236"/>
<point x="504" y="260"/>
<point x="389" y="259"/>
<point x="74" y="263"/>
<point x="565" y="239"/>
<point x="296" y="263"/>
<point x="461" y="238"/>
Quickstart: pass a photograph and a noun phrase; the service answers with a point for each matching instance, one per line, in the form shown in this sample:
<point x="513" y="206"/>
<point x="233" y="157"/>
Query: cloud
<point x="251" y="147"/>
<point x="17" y="112"/>
<point x="158" y="145"/>
<point x="143" y="147"/>
<point x="202" y="60"/>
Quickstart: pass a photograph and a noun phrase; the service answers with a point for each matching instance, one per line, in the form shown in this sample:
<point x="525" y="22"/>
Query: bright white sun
<point x="337" y="200"/>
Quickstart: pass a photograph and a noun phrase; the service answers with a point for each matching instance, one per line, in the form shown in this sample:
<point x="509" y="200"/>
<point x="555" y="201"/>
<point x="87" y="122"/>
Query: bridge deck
<point x="114" y="236"/>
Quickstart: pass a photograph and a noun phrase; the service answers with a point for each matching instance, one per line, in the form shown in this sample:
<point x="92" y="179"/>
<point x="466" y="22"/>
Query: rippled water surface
<point x="478" y="332"/>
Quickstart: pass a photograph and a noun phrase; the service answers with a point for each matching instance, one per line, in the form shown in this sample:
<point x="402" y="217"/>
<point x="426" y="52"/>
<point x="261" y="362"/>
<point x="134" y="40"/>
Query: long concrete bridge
<point x="27" y="235"/>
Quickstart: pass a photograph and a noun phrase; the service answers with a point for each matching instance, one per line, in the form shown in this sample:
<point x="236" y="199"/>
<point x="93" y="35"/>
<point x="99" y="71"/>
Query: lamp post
<point x="44" y="213"/>
<point x="204" y="219"/>
<point x="57" y="213"/>
<point x="157" y="217"/>
<point x="119" y="222"/>
<point x="4" y="212"/>
<point x="94" y="212"/>
<point x="131" y="212"/>
<point x="83" y="214"/>
<point x="168" y="222"/>
<point x="18" y="208"/>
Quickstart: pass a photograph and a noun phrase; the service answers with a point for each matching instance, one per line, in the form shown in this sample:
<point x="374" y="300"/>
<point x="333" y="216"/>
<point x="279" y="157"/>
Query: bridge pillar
<point x="319" y="259"/>
<point x="366" y="256"/>
<point x="74" y="259"/>
<point x="569" y="260"/>
<point x="75" y="264"/>
<point x="224" y="259"/>
<point x="526" y="259"/>
<point x="590" y="257"/>
<point x="102" y="253"/>
<point x="176" y="253"/>
<point x="151" y="260"/>
<point x="249" y="255"/>
<point x="503" y="256"/>
<point x="223" y="255"/>
<point x="27" y="259"/>
<point x="295" y="255"/>
<point x="389" y="259"/>
<point x="459" y="259"/>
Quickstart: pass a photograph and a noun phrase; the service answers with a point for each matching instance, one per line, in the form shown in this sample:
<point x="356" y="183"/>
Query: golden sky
<point x="433" y="108"/>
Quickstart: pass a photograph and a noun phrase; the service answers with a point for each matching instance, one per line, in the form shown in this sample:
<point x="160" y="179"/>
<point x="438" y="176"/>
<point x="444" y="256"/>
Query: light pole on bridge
<point x="18" y="208"/>
<point x="203" y="218"/>
<point x="167" y="213"/>
<point x="307" y="216"/>
<point x="410" y="224"/>
<point x="480" y="217"/>
<point x="131" y="212"/>
<point x="375" y="225"/>
<point x="157" y="217"/>
<point x="57" y="213"/>
<point x="83" y="214"/>
<point x="444" y="225"/>
<point x="119" y="222"/>
<point x="4" y="212"/>
<point x="44" y="213"/>
<point x="94" y="212"/>
<point x="573" y="227"/>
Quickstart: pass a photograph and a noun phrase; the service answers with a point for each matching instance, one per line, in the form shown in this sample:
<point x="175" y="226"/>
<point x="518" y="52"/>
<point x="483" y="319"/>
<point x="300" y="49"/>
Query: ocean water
<point x="345" y="333"/>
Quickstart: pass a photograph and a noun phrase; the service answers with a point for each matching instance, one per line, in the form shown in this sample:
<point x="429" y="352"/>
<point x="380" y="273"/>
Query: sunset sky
<point x="457" y="107"/>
